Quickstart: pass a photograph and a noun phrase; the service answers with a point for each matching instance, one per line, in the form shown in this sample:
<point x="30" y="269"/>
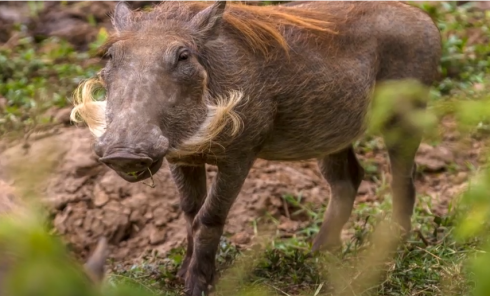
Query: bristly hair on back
<point x="260" y="27"/>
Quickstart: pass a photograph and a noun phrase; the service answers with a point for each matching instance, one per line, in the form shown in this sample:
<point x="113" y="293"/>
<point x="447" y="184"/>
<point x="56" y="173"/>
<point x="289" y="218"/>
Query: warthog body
<point x="226" y="84"/>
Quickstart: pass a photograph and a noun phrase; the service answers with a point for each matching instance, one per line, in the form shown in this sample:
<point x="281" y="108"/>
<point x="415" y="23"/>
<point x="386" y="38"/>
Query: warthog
<point x="225" y="84"/>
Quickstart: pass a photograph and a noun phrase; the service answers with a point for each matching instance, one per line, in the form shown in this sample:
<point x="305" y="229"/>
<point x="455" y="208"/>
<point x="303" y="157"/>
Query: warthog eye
<point x="184" y="55"/>
<point x="108" y="54"/>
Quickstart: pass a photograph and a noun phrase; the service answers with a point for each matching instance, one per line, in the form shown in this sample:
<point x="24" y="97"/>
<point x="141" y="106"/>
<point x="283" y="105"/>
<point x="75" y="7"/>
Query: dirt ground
<point x="87" y="200"/>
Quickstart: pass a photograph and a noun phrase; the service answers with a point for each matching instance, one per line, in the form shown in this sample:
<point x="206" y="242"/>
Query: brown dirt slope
<point x="88" y="200"/>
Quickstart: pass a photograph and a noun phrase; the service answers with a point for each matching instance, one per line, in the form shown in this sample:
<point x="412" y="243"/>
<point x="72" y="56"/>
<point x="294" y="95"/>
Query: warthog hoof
<point x="181" y="274"/>
<point x="196" y="285"/>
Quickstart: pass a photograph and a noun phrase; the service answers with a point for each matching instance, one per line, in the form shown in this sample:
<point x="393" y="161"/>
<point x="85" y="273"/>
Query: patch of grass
<point x="432" y="262"/>
<point x="158" y="275"/>
<point x="37" y="76"/>
<point x="465" y="34"/>
<point x="150" y="277"/>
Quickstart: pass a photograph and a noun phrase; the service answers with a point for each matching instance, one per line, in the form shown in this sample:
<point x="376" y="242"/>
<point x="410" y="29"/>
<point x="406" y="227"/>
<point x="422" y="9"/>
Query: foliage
<point x="465" y="32"/>
<point x="35" y="77"/>
<point x="447" y="255"/>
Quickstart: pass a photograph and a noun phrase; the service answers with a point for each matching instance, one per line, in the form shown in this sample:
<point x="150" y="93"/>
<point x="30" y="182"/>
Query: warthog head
<point x="157" y="102"/>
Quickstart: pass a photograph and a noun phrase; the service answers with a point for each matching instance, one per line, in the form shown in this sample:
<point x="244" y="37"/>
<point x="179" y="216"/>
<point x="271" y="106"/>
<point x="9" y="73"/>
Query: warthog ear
<point x="207" y="22"/>
<point x="94" y="267"/>
<point x="120" y="20"/>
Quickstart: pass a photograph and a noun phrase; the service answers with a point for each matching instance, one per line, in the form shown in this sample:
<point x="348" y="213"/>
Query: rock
<point x="433" y="159"/>
<point x="364" y="188"/>
<point x="78" y="222"/>
<point x="148" y="216"/>
<point x="100" y="197"/>
<point x="276" y="201"/>
<point x="241" y="238"/>
<point x="161" y="216"/>
<point x="460" y="178"/>
<point x="138" y="201"/>
<point x="425" y="148"/>
<point x="483" y="5"/>
<point x="143" y="243"/>
<point x="444" y="154"/>
<point x="431" y="164"/>
<point x="63" y="116"/>
<point x="157" y="235"/>
<point x="135" y="216"/>
<point x="10" y="14"/>
<point x="315" y="191"/>
<point x="288" y="225"/>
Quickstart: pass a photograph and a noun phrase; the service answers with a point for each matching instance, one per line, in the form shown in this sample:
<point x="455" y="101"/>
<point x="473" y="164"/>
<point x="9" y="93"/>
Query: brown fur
<point x="306" y="72"/>
<point x="259" y="27"/>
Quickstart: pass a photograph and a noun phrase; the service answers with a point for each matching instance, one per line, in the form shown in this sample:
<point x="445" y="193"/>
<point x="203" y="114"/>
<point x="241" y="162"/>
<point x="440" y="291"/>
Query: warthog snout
<point x="126" y="162"/>
<point x="136" y="158"/>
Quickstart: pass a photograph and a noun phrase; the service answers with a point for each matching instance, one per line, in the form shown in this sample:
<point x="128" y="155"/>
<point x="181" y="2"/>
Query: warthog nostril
<point x="127" y="162"/>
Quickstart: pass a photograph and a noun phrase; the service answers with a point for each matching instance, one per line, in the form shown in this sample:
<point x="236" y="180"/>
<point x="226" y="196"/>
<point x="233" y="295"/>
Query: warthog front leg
<point x="344" y="175"/>
<point x="209" y="223"/>
<point x="191" y="183"/>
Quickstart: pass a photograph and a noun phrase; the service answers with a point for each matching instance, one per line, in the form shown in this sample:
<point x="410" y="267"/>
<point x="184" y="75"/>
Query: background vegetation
<point x="448" y="255"/>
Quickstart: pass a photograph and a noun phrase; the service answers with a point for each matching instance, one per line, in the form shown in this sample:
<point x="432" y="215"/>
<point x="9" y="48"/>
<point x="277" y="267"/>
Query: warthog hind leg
<point x="403" y="169"/>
